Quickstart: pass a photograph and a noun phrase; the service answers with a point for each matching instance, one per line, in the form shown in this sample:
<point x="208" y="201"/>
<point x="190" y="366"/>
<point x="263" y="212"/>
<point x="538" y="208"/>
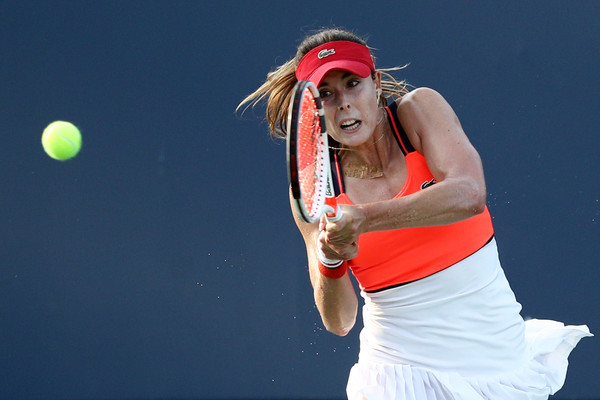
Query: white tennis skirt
<point x="458" y="335"/>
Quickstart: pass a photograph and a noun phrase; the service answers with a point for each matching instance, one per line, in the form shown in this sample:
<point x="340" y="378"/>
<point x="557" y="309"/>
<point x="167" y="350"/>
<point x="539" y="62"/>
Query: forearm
<point x="336" y="301"/>
<point x="335" y="298"/>
<point x="446" y="202"/>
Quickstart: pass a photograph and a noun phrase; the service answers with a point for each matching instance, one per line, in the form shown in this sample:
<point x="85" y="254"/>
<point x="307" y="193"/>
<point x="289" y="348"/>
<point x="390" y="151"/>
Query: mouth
<point x="350" y="125"/>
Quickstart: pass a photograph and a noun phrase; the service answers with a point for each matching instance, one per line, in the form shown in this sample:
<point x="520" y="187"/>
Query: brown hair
<point x="280" y="82"/>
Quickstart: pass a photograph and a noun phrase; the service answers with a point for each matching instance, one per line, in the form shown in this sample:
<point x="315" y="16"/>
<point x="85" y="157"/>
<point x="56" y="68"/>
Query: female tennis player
<point x="440" y="319"/>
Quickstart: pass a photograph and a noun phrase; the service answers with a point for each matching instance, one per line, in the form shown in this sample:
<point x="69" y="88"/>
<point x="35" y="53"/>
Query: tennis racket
<point x="309" y="171"/>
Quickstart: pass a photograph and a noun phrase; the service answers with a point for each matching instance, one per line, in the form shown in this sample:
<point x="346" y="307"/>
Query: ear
<point x="378" y="89"/>
<point x="378" y="81"/>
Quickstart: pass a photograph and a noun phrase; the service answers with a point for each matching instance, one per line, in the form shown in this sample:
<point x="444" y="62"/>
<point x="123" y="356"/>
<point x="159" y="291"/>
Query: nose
<point x="343" y="104"/>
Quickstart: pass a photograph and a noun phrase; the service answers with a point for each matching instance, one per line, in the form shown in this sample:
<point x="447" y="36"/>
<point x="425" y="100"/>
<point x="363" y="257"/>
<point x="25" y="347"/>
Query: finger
<point x="346" y="252"/>
<point x="340" y="237"/>
<point x="325" y="247"/>
<point x="329" y="253"/>
<point x="323" y="223"/>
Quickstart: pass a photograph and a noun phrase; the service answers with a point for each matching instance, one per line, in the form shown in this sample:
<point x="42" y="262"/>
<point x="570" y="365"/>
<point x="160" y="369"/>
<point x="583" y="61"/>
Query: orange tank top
<point x="394" y="257"/>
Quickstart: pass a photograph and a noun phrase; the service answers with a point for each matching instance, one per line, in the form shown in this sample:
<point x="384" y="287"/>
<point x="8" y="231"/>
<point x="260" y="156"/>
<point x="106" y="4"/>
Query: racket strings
<point x="310" y="153"/>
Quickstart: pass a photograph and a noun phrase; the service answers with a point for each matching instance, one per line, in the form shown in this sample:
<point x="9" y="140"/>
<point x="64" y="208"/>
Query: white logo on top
<point x="325" y="53"/>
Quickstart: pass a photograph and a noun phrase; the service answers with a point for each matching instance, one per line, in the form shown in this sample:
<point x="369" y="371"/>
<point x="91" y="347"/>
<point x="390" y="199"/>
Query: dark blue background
<point x="163" y="261"/>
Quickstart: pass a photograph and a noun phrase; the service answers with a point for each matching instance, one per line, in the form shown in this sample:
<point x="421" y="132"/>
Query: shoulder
<point x="414" y="110"/>
<point x="425" y="111"/>
<point x="418" y="98"/>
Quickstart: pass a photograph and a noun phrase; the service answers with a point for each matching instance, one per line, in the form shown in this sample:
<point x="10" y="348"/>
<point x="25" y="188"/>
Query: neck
<point x="362" y="171"/>
<point x="369" y="160"/>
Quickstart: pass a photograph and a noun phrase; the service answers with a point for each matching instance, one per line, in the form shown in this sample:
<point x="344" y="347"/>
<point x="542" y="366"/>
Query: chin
<point x="355" y="139"/>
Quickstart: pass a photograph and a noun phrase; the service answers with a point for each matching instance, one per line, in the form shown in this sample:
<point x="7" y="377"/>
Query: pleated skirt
<point x="458" y="335"/>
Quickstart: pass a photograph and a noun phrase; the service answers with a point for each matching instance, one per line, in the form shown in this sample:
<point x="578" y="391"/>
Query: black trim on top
<point x="401" y="136"/>
<point x="338" y="180"/>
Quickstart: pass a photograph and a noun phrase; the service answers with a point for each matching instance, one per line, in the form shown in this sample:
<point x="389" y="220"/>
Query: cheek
<point x="329" y="117"/>
<point x="370" y="110"/>
<point x="332" y="130"/>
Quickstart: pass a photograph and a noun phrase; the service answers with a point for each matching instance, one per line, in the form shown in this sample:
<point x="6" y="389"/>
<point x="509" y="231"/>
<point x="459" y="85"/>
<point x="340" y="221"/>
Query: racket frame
<point x="325" y="193"/>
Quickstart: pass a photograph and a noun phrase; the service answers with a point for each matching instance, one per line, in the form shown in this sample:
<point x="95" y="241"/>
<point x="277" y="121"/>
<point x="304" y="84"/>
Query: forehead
<point x="336" y="75"/>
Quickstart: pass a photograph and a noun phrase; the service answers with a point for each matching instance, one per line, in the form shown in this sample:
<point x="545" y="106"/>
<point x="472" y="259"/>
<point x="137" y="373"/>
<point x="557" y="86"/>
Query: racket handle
<point x="328" y="267"/>
<point x="333" y="212"/>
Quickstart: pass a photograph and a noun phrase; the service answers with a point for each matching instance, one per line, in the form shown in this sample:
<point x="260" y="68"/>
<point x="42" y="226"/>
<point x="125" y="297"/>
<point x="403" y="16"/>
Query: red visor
<point x="348" y="56"/>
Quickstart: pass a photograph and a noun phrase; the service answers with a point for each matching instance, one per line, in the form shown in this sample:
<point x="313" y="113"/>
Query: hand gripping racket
<point x="309" y="171"/>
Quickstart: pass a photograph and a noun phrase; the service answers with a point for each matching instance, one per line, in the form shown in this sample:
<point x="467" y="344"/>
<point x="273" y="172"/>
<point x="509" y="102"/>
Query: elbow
<point x="340" y="324"/>
<point x="340" y="330"/>
<point x="478" y="204"/>
<point x="474" y="199"/>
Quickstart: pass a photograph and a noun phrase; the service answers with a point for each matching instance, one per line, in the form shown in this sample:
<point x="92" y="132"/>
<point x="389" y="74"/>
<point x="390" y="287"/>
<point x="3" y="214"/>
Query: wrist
<point x="363" y="218"/>
<point x="330" y="268"/>
<point x="333" y="272"/>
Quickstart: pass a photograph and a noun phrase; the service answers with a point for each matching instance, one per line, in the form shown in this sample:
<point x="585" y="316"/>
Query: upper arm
<point x="436" y="132"/>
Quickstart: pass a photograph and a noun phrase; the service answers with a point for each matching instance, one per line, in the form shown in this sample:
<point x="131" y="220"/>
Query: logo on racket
<point x="325" y="53"/>
<point x="329" y="187"/>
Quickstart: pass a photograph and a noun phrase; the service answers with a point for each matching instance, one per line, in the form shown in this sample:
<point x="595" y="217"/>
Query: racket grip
<point x="333" y="212"/>
<point x="330" y="268"/>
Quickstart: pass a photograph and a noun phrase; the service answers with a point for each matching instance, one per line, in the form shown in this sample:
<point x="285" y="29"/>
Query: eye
<point x="353" y="82"/>
<point x="324" y="93"/>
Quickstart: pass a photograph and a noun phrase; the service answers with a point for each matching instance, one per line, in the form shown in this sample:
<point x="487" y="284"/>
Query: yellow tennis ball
<point x="61" y="140"/>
